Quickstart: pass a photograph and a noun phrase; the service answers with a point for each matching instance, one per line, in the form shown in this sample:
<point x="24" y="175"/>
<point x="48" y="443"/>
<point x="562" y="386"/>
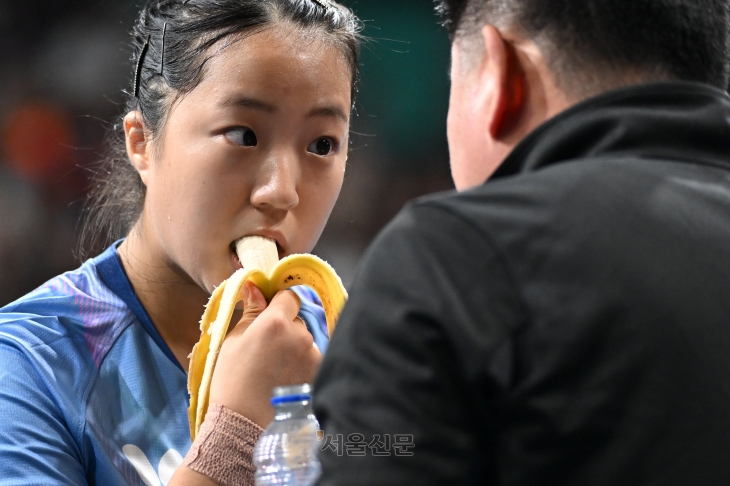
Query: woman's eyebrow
<point x="247" y="102"/>
<point x="329" y="111"/>
<point x="253" y="103"/>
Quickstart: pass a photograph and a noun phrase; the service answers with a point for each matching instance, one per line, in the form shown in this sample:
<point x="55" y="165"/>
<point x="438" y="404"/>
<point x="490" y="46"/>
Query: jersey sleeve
<point x="402" y="394"/>
<point x="36" y="446"/>
<point x="312" y="313"/>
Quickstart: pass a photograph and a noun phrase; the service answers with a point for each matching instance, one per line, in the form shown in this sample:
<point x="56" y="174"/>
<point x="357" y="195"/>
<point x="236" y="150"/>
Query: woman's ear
<point x="504" y="68"/>
<point x="138" y="146"/>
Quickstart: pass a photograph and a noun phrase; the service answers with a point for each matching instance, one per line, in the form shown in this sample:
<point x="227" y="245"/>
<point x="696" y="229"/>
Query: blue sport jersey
<point x="89" y="391"/>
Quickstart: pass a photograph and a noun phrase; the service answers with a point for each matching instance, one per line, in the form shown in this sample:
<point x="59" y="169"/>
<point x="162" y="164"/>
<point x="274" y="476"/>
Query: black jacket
<point x="567" y="323"/>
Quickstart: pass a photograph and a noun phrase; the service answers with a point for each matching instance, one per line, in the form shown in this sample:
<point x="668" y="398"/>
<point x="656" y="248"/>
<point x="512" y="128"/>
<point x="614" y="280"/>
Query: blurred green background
<point x="405" y="79"/>
<point x="63" y="65"/>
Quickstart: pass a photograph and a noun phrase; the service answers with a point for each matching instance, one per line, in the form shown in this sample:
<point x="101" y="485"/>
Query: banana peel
<point x="262" y="266"/>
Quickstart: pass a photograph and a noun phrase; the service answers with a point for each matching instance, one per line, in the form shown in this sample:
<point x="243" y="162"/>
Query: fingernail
<point x="245" y="293"/>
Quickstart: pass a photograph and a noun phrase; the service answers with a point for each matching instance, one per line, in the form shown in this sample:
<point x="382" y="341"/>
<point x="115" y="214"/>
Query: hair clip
<point x="162" y="51"/>
<point x="325" y="4"/>
<point x="138" y="70"/>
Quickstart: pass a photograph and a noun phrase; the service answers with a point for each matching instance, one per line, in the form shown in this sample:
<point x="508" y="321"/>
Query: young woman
<point x="237" y="124"/>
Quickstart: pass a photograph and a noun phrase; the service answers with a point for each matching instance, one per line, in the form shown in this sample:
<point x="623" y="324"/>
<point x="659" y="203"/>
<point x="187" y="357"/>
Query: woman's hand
<point x="269" y="347"/>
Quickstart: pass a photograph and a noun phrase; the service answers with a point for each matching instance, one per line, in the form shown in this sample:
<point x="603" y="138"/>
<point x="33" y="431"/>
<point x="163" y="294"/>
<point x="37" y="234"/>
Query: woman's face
<point x="258" y="148"/>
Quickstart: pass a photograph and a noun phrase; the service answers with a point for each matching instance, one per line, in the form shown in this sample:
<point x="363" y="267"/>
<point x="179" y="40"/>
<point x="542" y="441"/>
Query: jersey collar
<point x="112" y="273"/>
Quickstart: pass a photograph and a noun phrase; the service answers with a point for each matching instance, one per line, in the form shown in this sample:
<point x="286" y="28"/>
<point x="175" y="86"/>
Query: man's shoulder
<point x="586" y="190"/>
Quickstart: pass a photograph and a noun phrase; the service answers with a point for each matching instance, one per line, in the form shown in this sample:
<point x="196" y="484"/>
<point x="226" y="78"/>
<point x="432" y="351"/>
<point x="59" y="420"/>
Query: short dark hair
<point x="185" y="30"/>
<point x="591" y="45"/>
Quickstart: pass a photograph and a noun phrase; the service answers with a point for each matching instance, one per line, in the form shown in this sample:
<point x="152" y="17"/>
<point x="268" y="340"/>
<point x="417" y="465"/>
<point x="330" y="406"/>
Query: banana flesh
<point x="261" y="265"/>
<point x="257" y="252"/>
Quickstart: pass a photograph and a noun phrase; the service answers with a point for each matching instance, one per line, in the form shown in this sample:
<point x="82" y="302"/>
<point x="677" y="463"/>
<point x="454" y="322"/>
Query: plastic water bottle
<point x="286" y="453"/>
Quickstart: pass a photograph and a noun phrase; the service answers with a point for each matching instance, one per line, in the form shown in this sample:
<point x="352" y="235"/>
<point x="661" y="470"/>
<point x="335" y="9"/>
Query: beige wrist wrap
<point x="223" y="449"/>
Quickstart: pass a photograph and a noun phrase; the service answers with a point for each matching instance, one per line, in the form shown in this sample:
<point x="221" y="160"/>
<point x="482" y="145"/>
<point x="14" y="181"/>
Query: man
<point x="567" y="322"/>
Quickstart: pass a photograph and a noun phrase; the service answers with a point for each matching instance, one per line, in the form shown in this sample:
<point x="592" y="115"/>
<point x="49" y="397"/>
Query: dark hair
<point x="187" y="29"/>
<point x="595" y="45"/>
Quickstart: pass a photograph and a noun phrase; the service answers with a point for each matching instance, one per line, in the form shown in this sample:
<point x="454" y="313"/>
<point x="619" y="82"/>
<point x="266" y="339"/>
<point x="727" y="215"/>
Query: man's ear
<point x="138" y="146"/>
<point x="509" y="96"/>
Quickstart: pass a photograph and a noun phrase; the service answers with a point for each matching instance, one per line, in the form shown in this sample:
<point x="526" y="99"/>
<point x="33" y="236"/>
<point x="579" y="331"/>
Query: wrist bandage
<point x="223" y="448"/>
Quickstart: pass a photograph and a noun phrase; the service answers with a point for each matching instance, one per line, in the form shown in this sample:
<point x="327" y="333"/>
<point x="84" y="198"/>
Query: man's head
<point x="540" y="56"/>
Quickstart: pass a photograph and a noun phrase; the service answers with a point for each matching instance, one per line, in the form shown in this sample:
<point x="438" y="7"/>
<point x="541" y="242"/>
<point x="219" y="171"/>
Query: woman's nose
<point x="276" y="187"/>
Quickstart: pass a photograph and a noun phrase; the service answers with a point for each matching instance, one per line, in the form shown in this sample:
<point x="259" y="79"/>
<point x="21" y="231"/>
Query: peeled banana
<point x="262" y="266"/>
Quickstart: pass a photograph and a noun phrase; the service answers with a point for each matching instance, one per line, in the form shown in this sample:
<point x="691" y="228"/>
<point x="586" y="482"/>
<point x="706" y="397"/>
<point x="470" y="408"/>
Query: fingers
<point x="270" y="347"/>
<point x="299" y="321"/>
<point x="254" y="304"/>
<point x="286" y="302"/>
<point x="315" y="355"/>
<point x="254" y="300"/>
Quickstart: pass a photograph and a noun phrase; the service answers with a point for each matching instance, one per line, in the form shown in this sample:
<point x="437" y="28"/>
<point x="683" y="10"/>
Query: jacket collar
<point x="672" y="121"/>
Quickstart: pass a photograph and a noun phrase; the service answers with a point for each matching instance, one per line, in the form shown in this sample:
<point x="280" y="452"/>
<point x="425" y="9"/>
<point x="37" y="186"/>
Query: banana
<point x="262" y="266"/>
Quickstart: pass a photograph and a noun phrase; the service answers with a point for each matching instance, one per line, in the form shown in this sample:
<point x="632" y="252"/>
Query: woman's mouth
<point x="234" y="257"/>
<point x="237" y="262"/>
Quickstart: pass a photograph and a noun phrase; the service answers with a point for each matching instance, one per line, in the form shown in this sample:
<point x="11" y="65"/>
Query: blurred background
<point x="63" y="65"/>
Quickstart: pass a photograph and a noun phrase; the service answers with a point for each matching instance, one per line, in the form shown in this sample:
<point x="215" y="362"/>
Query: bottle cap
<point x="294" y="393"/>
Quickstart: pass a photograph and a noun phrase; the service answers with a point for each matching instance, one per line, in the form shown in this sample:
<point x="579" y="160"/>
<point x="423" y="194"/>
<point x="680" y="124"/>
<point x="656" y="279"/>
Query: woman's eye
<point x="323" y="147"/>
<point x="244" y="137"/>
